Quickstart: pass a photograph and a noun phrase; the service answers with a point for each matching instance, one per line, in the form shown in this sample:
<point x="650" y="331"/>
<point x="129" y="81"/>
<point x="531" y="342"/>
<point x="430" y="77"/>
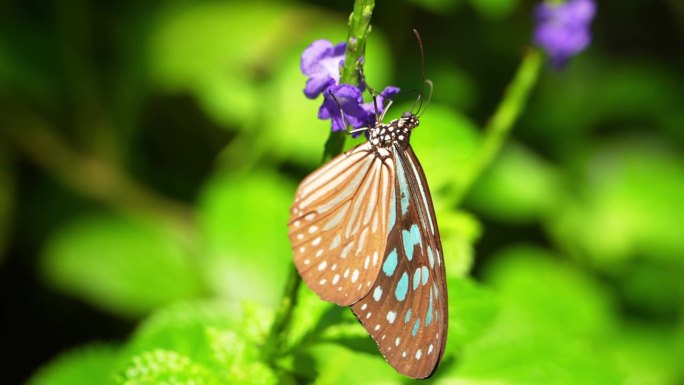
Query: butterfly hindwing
<point x="406" y="309"/>
<point x="338" y="224"/>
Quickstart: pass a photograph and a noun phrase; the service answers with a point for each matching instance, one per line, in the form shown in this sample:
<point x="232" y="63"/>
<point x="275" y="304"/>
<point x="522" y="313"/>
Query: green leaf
<point x="91" y="364"/>
<point x="457" y="89"/>
<point x="123" y="266"/>
<point x="628" y="203"/>
<point x="218" y="340"/>
<point x="338" y="365"/>
<point x="649" y="354"/>
<point x="459" y="232"/>
<point x="651" y="287"/>
<point x="165" y="367"/>
<point x="243" y="222"/>
<point x="218" y="65"/>
<point x="552" y="326"/>
<point x="518" y="187"/>
<point x="552" y="293"/>
<point x="472" y="309"/>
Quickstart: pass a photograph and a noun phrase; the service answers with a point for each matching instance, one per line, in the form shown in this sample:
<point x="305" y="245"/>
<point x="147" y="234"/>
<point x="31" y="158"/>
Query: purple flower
<point x="321" y="63"/>
<point x="342" y="103"/>
<point x="343" y="99"/>
<point x="563" y="29"/>
<point x="370" y="107"/>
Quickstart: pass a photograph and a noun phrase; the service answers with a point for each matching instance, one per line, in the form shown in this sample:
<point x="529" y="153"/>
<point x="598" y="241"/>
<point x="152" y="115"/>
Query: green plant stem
<point x="359" y="28"/>
<point x="498" y="128"/>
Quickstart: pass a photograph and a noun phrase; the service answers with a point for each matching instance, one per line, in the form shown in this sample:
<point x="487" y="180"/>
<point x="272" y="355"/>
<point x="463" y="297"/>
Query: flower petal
<point x="370" y="107"/>
<point x="313" y="54"/>
<point x="316" y="85"/>
<point x="389" y="91"/>
<point x="342" y="99"/>
<point x="563" y="29"/>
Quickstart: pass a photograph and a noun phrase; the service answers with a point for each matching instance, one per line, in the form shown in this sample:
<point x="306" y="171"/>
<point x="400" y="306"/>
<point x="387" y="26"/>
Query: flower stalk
<point x="498" y="128"/>
<point x="359" y="28"/>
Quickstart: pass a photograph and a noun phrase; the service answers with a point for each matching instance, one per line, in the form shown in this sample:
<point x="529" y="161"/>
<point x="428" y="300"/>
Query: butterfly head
<point x="396" y="131"/>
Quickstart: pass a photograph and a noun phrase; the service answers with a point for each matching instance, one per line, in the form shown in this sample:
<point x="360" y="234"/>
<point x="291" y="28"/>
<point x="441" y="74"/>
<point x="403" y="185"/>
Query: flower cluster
<point x="342" y="103"/>
<point x="563" y="28"/>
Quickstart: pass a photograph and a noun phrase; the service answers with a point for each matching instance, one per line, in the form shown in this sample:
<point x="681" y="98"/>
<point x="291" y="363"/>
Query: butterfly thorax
<point x="396" y="131"/>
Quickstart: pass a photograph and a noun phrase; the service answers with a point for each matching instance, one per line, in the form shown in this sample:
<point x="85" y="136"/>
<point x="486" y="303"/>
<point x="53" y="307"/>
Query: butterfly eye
<point x="407" y="115"/>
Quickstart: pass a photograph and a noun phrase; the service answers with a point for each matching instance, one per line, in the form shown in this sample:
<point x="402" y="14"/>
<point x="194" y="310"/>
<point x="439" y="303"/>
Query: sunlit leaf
<point x="218" y="341"/>
<point x="459" y="231"/>
<point x="243" y="222"/>
<point x="337" y="365"/>
<point x="124" y="266"/>
<point x="518" y="187"/>
<point x="91" y="364"/>
<point x="551" y="327"/>
<point x="627" y="204"/>
<point x="472" y="308"/>
<point x="165" y="367"/>
<point x="217" y="65"/>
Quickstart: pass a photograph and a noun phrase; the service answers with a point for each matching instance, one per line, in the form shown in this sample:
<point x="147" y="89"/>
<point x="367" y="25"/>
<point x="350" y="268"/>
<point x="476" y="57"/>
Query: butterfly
<point x="364" y="234"/>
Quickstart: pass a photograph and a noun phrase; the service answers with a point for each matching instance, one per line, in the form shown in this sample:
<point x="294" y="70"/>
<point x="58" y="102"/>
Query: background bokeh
<point x="149" y="152"/>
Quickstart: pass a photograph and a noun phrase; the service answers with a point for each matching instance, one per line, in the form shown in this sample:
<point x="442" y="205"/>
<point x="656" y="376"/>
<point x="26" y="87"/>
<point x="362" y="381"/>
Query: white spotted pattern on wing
<point x="340" y="217"/>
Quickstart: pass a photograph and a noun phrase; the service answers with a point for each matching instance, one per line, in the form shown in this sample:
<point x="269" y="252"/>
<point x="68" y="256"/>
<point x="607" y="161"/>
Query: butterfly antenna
<point x="429" y="96"/>
<point x="362" y="80"/>
<point x="421" y="96"/>
<point x="344" y="121"/>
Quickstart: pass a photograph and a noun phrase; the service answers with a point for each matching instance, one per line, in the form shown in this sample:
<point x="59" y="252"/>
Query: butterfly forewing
<point x="338" y="224"/>
<point x="406" y="309"/>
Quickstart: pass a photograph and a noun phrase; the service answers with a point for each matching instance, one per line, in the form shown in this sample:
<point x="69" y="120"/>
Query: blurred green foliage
<point x="149" y="153"/>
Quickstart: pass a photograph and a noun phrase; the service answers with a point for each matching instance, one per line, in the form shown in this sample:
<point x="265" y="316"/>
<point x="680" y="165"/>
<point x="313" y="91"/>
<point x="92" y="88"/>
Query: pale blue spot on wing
<point x="408" y="316"/>
<point x="393" y="213"/>
<point x="402" y="287"/>
<point x="428" y="317"/>
<point x="431" y="257"/>
<point x="434" y="286"/>
<point x="390" y="263"/>
<point x="416" y="326"/>
<point x="403" y="186"/>
<point x="377" y="294"/>
<point x="411" y="238"/>
<point x="424" y="273"/>
<point x="416" y="279"/>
